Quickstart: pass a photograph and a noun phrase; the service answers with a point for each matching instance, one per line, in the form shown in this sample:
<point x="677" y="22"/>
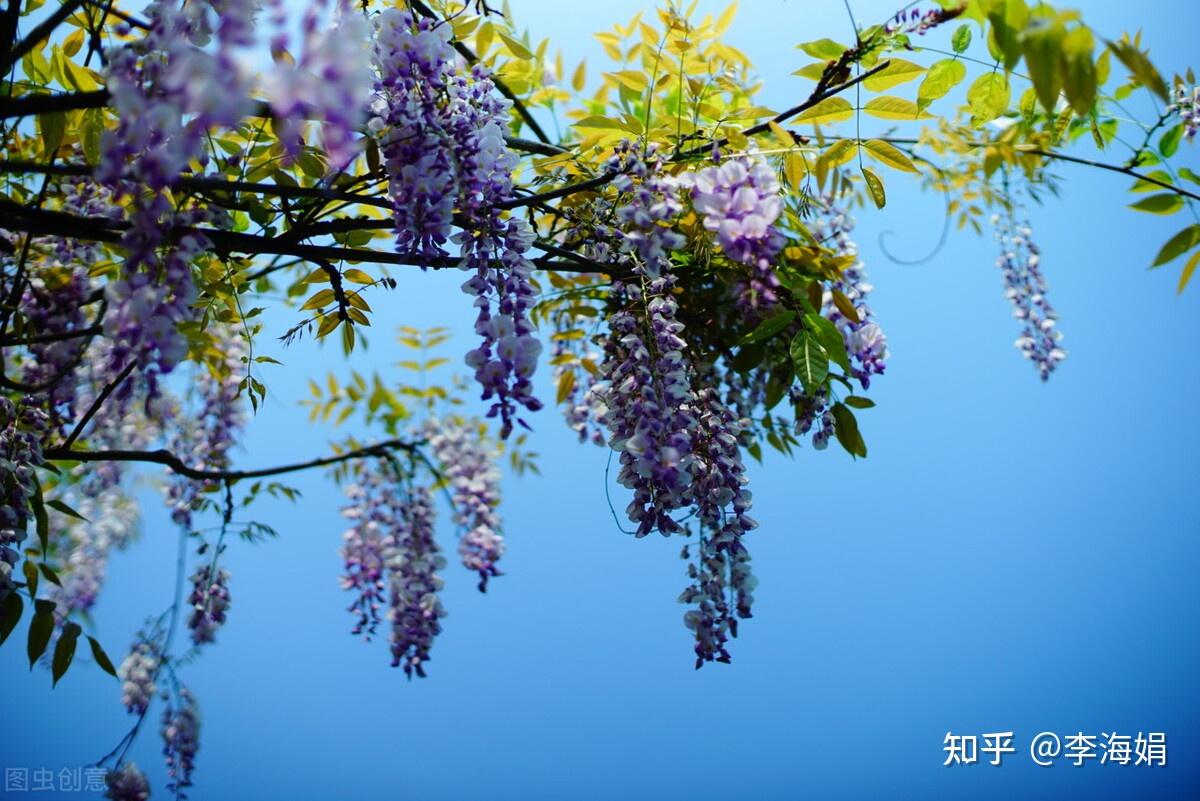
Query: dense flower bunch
<point x="110" y="521"/>
<point x="581" y="405"/>
<point x="1025" y="287"/>
<point x="22" y="429"/>
<point x="442" y="139"/>
<point x="413" y="562"/>
<point x="469" y="469"/>
<point x="1187" y="104"/>
<point x="329" y="82"/>
<point x="721" y="502"/>
<point x="208" y="600"/>
<point x="181" y="740"/>
<point x="126" y="783"/>
<point x="865" y="341"/>
<point x="812" y="410"/>
<point x="919" y="22"/>
<point x="364" y="545"/>
<point x="167" y="93"/>
<point x="645" y="390"/>
<point x="137" y="674"/>
<point x="205" y="439"/>
<point x="740" y="201"/>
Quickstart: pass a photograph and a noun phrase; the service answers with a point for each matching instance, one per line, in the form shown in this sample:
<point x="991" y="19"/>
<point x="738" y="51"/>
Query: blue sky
<point x="1011" y="556"/>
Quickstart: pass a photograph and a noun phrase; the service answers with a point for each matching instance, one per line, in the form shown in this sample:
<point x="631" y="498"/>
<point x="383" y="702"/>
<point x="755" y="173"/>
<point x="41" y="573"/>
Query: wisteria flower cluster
<point x="413" y="562"/>
<point x="740" y="201"/>
<point x="204" y="439"/>
<point x="866" y="344"/>
<point x="391" y="547"/>
<point x="126" y="783"/>
<point x="181" y="740"/>
<point x="468" y="466"/>
<point x="208" y="601"/>
<point x="442" y="137"/>
<point x="22" y="429"/>
<point x="1187" y="104"/>
<point x="329" y="82"/>
<point x="1025" y="288"/>
<point x="137" y="674"/>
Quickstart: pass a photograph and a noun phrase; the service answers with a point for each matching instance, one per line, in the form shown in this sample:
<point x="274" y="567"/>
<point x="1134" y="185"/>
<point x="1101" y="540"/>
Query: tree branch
<point x="39" y="33"/>
<point x="168" y="459"/>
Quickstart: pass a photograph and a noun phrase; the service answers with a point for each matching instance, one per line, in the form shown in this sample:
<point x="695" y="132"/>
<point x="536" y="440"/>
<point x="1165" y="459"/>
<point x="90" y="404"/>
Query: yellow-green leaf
<point x="831" y="109"/>
<point x="892" y="108"/>
<point x="897" y="71"/>
<point x="875" y="185"/>
<point x="888" y="154"/>
<point x="939" y="80"/>
<point x="825" y="49"/>
<point x="988" y="97"/>
<point x="1164" y="203"/>
<point x="516" y="48"/>
<point x="1188" y="270"/>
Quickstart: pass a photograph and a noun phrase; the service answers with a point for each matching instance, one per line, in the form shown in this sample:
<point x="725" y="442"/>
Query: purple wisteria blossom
<point x="208" y="601"/>
<point x="329" y="82"/>
<point x="441" y="131"/>
<point x="181" y="740"/>
<point x="865" y="341"/>
<point x="137" y="674"/>
<point x="22" y="430"/>
<point x="1025" y="288"/>
<point x="363" y="548"/>
<point x="204" y="439"/>
<point x="413" y="561"/>
<point x="645" y="392"/>
<point x="468" y="466"/>
<point x="1187" y="104"/>
<point x="739" y="201"/>
<point x="126" y="783"/>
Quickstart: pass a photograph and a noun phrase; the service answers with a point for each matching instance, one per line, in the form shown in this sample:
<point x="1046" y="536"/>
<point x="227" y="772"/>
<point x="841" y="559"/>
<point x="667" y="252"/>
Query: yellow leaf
<point x="516" y="48"/>
<point x="1188" y="269"/>
<point x="725" y="19"/>
<point x="318" y="300"/>
<point x="580" y="76"/>
<point x="893" y="108"/>
<point x="357" y="276"/>
<point x="898" y="71"/>
<point x="782" y="134"/>
<point x="631" y="79"/>
<point x="831" y="109"/>
<point x="889" y="155"/>
<point x="483" y="39"/>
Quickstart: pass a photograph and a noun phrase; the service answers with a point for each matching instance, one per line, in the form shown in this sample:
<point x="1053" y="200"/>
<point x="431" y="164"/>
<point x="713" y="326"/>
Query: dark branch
<point x="39" y="33"/>
<point x="177" y="465"/>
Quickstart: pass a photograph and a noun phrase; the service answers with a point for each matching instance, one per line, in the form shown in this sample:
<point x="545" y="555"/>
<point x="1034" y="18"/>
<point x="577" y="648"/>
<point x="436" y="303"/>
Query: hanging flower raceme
<point x="181" y="740"/>
<point x="740" y="202"/>
<point x="1187" y="105"/>
<point x="208" y="600"/>
<point x="363" y="548"/>
<point x="865" y="341"/>
<point x="442" y="139"/>
<point x="126" y="783"/>
<point x="22" y="429"/>
<point x="204" y="439"/>
<point x="469" y="469"/>
<point x="1025" y="287"/>
<point x="811" y="410"/>
<point x="413" y="562"/>
<point x="110" y="519"/>
<point x="645" y="392"/>
<point x="137" y="673"/>
<point x="328" y="82"/>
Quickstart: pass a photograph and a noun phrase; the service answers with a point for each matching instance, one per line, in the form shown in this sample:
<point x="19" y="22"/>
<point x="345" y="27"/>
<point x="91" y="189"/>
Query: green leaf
<point x="889" y="155"/>
<point x="90" y="133"/>
<point x="770" y="327"/>
<point x="1184" y="172"/>
<point x="1177" y="245"/>
<point x="1080" y="78"/>
<point x="875" y="184"/>
<point x="831" y="109"/>
<point x="1164" y="203"/>
<point x="824" y="49"/>
<point x="1169" y="142"/>
<point x="961" y="39"/>
<point x="52" y="126"/>
<point x="892" y="108"/>
<point x="846" y="430"/>
<point x="49" y="573"/>
<point x="1042" y="45"/>
<point x="859" y="402"/>
<point x="40" y="629"/>
<point x="830" y="337"/>
<point x="64" y="651"/>
<point x="1140" y="67"/>
<point x="101" y="658"/>
<point x="31" y="576"/>
<point x="988" y="97"/>
<point x="10" y="614"/>
<point x="943" y="76"/>
<point x="811" y="361"/>
<point x="66" y="510"/>
<point x="897" y="71"/>
<point x="1188" y="270"/>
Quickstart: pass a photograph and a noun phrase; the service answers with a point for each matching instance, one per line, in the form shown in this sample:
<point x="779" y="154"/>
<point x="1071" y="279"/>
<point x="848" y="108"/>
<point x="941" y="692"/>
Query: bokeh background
<point x="1011" y="556"/>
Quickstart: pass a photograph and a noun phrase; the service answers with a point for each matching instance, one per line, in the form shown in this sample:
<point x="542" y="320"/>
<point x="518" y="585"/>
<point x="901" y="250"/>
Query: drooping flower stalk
<point x="126" y="783"/>
<point x="413" y="562"/>
<point x="208" y="600"/>
<point x="22" y="430"/>
<point x="137" y="673"/>
<point x="1025" y="288"/>
<point x="1187" y="105"/>
<point x="181" y="740"/>
<point x="364" y="545"/>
